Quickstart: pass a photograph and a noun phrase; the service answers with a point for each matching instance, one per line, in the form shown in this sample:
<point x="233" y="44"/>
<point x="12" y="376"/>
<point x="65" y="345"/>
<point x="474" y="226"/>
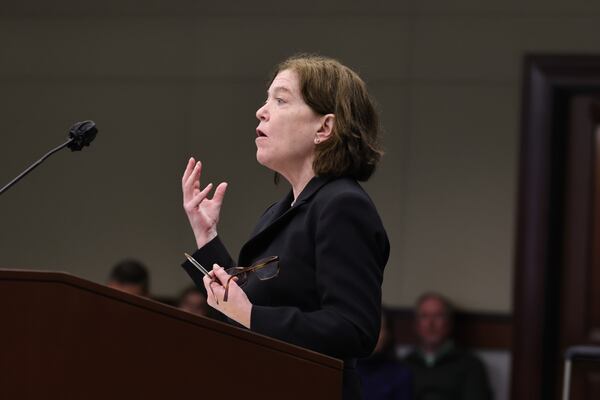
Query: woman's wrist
<point x="246" y="315"/>
<point x="203" y="238"/>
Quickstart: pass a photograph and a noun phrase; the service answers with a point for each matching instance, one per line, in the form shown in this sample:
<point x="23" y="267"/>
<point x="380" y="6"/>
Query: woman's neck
<point x="298" y="179"/>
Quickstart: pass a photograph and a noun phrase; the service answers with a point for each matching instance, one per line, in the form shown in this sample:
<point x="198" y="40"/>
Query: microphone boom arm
<point x="34" y="165"/>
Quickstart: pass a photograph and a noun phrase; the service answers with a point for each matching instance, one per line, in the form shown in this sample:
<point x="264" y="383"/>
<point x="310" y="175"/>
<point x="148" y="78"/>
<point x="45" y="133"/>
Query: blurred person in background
<point x="443" y="371"/>
<point x="383" y="375"/>
<point x="193" y="300"/>
<point x="130" y="276"/>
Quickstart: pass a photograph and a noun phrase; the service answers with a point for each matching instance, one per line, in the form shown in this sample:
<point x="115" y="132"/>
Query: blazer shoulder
<point x="343" y="189"/>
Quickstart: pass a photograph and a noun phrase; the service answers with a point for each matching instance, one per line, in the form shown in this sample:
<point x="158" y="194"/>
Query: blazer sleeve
<point x="351" y="250"/>
<point x="213" y="252"/>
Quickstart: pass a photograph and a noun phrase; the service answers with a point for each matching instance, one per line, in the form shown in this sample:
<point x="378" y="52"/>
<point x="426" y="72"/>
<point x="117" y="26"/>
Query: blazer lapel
<point x="281" y="211"/>
<point x="311" y="188"/>
<point x="273" y="213"/>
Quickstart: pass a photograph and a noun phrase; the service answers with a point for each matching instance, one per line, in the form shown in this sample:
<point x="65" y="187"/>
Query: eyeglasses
<point x="264" y="269"/>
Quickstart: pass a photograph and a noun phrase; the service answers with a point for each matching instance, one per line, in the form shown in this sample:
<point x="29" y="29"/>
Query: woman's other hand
<point x="237" y="307"/>
<point x="202" y="212"/>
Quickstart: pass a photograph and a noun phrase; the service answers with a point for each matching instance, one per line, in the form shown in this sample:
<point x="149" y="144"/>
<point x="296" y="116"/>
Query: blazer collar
<point x="311" y="188"/>
<point x="281" y="210"/>
<point x="284" y="206"/>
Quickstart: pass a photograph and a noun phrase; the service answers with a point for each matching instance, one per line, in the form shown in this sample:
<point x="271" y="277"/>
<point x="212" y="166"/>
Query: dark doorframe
<point x="547" y="81"/>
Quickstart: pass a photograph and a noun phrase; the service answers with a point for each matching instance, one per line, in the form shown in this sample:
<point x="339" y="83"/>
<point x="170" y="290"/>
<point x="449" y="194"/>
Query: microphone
<point x="81" y="134"/>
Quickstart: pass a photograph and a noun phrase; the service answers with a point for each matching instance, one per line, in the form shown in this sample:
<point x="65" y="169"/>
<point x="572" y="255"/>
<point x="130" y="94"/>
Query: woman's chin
<point x="262" y="158"/>
<point x="267" y="162"/>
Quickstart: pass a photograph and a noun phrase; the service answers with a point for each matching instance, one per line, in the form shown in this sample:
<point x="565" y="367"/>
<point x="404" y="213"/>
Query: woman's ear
<point x="326" y="129"/>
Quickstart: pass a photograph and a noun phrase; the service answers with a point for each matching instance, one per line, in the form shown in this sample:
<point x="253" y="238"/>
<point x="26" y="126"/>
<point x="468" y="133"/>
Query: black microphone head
<point x="82" y="134"/>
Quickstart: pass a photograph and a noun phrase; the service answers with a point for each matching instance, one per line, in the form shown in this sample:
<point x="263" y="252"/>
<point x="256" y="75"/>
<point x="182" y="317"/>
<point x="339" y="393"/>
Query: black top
<point x="455" y="375"/>
<point x="333" y="249"/>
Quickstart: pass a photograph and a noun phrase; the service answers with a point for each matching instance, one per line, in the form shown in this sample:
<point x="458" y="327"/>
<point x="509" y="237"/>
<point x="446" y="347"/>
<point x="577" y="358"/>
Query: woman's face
<point x="286" y="132"/>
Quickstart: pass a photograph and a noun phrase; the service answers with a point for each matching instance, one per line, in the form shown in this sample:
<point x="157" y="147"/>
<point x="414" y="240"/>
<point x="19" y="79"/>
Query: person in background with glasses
<point x="311" y="272"/>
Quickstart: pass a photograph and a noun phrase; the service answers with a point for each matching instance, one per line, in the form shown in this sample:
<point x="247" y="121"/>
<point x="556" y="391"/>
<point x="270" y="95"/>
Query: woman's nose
<point x="262" y="113"/>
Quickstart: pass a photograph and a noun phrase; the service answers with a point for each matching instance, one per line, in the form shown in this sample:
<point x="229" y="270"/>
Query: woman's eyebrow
<point x="281" y="89"/>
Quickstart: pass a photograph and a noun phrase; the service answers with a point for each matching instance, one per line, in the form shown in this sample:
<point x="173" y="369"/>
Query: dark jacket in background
<point x="456" y="375"/>
<point x="333" y="249"/>
<point x="385" y="378"/>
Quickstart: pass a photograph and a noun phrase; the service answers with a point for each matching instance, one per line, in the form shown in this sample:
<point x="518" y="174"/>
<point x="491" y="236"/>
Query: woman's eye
<point x="278" y="100"/>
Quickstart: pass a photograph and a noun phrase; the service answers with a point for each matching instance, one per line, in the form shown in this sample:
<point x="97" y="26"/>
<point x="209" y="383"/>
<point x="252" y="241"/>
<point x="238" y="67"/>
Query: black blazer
<point x="327" y="297"/>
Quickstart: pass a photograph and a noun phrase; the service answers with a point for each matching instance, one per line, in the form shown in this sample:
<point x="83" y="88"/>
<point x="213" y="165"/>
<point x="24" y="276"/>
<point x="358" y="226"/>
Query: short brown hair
<point x="329" y="87"/>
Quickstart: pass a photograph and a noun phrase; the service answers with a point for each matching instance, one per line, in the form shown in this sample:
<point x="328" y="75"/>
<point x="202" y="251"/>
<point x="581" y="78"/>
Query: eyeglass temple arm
<point x="243" y="270"/>
<point x="226" y="295"/>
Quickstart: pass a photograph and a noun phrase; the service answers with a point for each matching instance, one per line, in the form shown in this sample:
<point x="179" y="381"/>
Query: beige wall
<point x="181" y="78"/>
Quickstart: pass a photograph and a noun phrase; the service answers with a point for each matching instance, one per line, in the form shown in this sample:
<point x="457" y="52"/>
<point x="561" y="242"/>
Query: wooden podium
<point x="66" y="338"/>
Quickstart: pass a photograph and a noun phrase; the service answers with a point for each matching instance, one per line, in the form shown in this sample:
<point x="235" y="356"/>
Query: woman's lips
<point x="260" y="133"/>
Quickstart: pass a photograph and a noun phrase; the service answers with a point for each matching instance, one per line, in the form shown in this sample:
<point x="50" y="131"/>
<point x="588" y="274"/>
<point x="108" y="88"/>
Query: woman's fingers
<point x="213" y="284"/>
<point x="220" y="275"/>
<point x="191" y="180"/>
<point x="238" y="307"/>
<point x="188" y="169"/>
<point x="198" y="197"/>
<point x="220" y="193"/>
<point x="191" y="186"/>
<point x="210" y="291"/>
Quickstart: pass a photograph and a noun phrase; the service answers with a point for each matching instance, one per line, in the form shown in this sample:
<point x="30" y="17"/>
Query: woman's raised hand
<point x="202" y="212"/>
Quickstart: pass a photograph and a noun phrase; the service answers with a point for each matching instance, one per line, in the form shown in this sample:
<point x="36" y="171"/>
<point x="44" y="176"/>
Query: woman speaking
<point x="316" y="257"/>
